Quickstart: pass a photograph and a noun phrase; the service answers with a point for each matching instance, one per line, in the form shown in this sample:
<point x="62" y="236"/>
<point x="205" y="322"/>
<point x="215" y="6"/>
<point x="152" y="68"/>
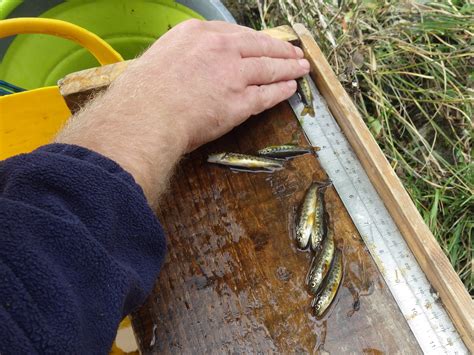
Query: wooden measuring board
<point x="233" y="280"/>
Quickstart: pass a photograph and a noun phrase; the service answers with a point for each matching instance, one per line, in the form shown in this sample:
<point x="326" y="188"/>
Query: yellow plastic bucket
<point x="32" y="118"/>
<point x="29" y="119"/>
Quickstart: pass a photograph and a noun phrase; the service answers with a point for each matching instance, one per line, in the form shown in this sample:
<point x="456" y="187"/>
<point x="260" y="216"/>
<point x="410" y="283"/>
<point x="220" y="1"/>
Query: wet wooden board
<point x="79" y="87"/>
<point x="236" y="319"/>
<point x="234" y="280"/>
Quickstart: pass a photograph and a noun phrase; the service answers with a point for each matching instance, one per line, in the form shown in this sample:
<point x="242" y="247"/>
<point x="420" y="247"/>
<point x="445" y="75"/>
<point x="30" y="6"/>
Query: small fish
<point x="304" y="90"/>
<point x="323" y="301"/>
<point x="319" y="224"/>
<point x="285" y="151"/>
<point x="321" y="263"/>
<point x="304" y="227"/>
<point x="244" y="161"/>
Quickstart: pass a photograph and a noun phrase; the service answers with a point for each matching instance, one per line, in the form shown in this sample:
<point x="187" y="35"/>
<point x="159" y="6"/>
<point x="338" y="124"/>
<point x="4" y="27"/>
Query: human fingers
<point x="258" y="44"/>
<point x="262" y="97"/>
<point x="265" y="70"/>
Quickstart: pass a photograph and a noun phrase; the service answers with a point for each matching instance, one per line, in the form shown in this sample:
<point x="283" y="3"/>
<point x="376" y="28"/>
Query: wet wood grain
<point x="77" y="88"/>
<point x="234" y="280"/>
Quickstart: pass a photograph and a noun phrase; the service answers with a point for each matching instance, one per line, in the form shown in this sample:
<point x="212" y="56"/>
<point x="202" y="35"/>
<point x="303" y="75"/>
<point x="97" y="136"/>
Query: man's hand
<point x="194" y="84"/>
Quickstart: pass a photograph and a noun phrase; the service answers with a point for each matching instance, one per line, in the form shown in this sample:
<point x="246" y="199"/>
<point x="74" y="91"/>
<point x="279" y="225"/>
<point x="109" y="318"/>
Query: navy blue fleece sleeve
<point x="79" y="249"/>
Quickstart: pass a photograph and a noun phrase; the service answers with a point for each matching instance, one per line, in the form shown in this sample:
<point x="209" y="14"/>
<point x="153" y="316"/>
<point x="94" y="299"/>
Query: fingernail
<point x="299" y="52"/>
<point x="304" y="63"/>
<point x="292" y="84"/>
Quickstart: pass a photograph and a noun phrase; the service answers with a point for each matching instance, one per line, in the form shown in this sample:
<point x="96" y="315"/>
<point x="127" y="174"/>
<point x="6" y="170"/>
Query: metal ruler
<point x="420" y="306"/>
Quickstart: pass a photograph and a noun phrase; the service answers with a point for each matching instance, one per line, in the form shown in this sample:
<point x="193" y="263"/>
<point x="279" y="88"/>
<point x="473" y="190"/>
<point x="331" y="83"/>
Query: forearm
<point x="106" y="124"/>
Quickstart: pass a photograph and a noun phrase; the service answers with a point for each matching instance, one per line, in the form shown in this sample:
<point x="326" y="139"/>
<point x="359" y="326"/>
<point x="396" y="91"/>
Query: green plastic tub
<point x="129" y="26"/>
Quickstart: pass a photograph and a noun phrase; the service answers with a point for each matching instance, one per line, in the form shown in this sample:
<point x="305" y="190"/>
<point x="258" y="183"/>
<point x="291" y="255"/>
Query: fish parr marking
<point x="245" y="161"/>
<point x="304" y="90"/>
<point x="321" y="264"/>
<point x="285" y="151"/>
<point x="319" y="226"/>
<point x="325" y="298"/>
<point x="305" y="223"/>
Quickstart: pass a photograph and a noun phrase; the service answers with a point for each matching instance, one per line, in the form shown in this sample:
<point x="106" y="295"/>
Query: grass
<point x="409" y="68"/>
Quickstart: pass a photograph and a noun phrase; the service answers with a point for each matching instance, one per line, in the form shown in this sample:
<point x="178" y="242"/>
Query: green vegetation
<point x="409" y="68"/>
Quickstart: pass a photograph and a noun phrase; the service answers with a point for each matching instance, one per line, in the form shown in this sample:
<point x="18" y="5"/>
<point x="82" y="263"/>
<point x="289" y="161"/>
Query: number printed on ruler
<point x="420" y="306"/>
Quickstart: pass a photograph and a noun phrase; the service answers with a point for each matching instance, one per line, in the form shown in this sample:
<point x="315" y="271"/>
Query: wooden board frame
<point x="419" y="238"/>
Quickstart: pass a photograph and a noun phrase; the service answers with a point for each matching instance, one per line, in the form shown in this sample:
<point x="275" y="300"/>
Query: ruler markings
<point x="411" y="290"/>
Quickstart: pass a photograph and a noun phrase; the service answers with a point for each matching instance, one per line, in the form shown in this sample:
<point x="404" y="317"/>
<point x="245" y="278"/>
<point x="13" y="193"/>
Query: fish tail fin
<point x="325" y="183"/>
<point x="307" y="110"/>
<point x="328" y="222"/>
<point x="315" y="149"/>
<point x="308" y="274"/>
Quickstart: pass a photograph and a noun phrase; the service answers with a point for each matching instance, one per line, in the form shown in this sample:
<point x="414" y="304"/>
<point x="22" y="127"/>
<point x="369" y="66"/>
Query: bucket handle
<point x="100" y="49"/>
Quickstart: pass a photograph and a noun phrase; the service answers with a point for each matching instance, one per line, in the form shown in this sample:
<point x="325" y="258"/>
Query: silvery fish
<point x="244" y="161"/>
<point x="304" y="90"/>
<point x="323" y="301"/>
<point x="284" y="151"/>
<point x="319" y="224"/>
<point x="304" y="226"/>
<point x="321" y="263"/>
